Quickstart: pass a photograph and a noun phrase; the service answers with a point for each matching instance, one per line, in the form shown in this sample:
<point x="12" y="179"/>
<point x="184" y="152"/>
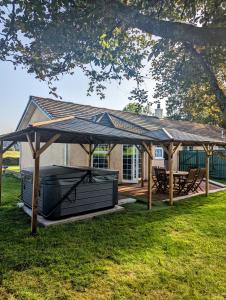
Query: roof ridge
<point x="129" y="122"/>
<point x="102" y="115"/>
<point x="167" y="133"/>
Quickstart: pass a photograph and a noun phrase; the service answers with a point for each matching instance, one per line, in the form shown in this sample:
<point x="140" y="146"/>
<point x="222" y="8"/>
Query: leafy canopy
<point x="181" y="44"/>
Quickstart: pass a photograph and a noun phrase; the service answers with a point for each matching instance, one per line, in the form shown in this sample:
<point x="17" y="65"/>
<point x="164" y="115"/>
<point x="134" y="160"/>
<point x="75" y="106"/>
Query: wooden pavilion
<point x="89" y="133"/>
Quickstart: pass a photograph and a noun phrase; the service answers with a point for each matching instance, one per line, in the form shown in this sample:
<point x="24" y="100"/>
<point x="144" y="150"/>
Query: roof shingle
<point x="58" y="109"/>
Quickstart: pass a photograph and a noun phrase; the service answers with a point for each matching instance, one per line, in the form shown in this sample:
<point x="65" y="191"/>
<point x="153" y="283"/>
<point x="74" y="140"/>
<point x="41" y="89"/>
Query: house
<point x="125" y="158"/>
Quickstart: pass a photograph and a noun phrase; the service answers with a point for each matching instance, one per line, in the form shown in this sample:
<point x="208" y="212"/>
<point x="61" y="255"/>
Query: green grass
<point x="220" y="180"/>
<point x="173" y="253"/>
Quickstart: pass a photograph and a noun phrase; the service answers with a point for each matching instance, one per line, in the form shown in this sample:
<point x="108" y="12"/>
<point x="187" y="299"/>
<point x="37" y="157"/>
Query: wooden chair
<point x="201" y="175"/>
<point x="188" y="183"/>
<point x="162" y="180"/>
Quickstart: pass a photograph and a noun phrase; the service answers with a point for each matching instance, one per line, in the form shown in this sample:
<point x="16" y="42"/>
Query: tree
<point x="113" y="40"/>
<point x="133" y="107"/>
<point x="188" y="90"/>
<point x="136" y="107"/>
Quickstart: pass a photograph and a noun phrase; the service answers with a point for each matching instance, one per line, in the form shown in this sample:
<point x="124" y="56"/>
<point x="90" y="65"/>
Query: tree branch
<point x="218" y="92"/>
<point x="167" y="29"/>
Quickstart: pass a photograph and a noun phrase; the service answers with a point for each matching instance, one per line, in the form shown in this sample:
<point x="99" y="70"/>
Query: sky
<point x="17" y="85"/>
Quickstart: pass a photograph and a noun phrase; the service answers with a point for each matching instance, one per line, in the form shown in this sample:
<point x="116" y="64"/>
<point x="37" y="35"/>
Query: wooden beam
<point x="8" y="147"/>
<point x="170" y="158"/>
<point x="35" y="190"/>
<point x="138" y="148"/>
<point x="90" y="155"/>
<point x="84" y="148"/>
<point x="30" y="144"/>
<point x="147" y="149"/>
<point x="47" y="144"/>
<point x="1" y="165"/>
<point x="142" y="168"/>
<point x="209" y="152"/>
<point x="176" y="148"/>
<point x="111" y="149"/>
<point x="150" y="183"/>
<point x="109" y="157"/>
<point x="165" y="148"/>
<point x="207" y="163"/>
<point x="205" y="148"/>
<point x="94" y="148"/>
<point x="109" y="154"/>
<point x="37" y="124"/>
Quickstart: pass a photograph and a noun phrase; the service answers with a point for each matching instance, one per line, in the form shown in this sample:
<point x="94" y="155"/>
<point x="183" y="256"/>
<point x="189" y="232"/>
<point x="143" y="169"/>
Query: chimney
<point x="159" y="111"/>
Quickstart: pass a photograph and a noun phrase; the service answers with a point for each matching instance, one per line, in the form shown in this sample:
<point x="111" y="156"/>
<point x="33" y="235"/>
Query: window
<point x="100" y="158"/>
<point x="159" y="153"/>
<point x="128" y="155"/>
<point x="131" y="163"/>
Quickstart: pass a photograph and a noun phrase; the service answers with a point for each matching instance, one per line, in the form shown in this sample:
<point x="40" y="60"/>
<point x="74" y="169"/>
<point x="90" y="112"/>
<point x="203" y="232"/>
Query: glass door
<point x="131" y="164"/>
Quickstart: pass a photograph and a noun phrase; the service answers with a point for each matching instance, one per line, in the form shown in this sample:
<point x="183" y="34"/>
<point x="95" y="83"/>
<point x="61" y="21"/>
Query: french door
<point x="131" y="164"/>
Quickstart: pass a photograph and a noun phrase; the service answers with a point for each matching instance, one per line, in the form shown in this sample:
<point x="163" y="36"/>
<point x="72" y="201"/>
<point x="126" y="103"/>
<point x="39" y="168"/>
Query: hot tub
<point x="66" y="191"/>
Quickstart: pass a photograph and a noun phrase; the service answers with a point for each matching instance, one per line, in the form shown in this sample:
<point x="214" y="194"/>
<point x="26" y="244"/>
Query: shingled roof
<point x="74" y="130"/>
<point x="58" y="109"/>
<point x="80" y="123"/>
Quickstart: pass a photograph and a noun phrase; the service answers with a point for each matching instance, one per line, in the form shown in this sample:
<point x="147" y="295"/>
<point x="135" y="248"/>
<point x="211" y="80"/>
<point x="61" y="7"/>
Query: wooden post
<point x="142" y="168"/>
<point x="111" y="148"/>
<point x="170" y="158"/>
<point x="35" y="191"/>
<point x="209" y="152"/>
<point x="207" y="171"/>
<point x="90" y="155"/>
<point x="109" y="158"/>
<point x="150" y="181"/>
<point x="1" y="165"/>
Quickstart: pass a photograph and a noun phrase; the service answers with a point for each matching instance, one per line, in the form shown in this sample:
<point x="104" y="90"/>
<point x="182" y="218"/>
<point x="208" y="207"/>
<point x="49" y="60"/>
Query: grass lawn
<point x="170" y="253"/>
<point x="220" y="180"/>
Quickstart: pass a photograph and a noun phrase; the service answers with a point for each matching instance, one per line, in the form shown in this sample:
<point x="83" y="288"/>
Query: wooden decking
<point x="138" y="192"/>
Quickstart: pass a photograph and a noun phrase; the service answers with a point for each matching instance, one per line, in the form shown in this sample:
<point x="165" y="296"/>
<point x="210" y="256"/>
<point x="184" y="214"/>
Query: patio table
<point x="177" y="176"/>
<point x="178" y="173"/>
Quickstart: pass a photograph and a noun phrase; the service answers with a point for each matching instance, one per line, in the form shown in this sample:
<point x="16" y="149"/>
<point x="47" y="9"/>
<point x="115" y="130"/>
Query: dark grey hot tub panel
<point x="68" y="191"/>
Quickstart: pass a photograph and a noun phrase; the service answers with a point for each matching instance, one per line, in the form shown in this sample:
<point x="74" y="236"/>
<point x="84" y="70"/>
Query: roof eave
<point x="32" y="101"/>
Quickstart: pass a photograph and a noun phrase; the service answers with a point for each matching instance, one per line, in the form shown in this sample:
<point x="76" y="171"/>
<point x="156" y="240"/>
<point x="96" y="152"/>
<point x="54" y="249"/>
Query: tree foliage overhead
<point x="136" y="107"/>
<point x="180" y="43"/>
<point x="192" y="92"/>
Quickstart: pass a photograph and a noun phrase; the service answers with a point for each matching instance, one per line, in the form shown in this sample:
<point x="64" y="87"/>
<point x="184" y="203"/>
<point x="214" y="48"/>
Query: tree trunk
<point x="215" y="88"/>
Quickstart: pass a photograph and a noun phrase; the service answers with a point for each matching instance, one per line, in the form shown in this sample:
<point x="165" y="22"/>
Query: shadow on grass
<point x="84" y="251"/>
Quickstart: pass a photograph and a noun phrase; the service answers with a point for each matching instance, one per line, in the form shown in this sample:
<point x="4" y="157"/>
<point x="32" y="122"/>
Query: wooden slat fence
<point x="196" y="159"/>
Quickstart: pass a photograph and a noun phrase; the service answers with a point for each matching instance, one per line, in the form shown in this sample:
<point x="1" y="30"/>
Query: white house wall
<point x="53" y="155"/>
